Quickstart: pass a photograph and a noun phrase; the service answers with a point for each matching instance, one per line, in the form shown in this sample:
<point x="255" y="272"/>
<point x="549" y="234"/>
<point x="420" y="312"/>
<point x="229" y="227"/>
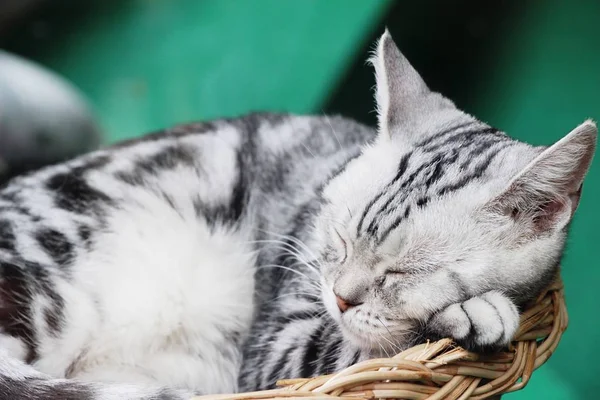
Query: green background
<point x="530" y="68"/>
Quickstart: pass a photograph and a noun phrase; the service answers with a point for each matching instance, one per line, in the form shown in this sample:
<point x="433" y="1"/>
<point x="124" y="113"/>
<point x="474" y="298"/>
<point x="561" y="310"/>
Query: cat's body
<point x="223" y="256"/>
<point x="167" y="236"/>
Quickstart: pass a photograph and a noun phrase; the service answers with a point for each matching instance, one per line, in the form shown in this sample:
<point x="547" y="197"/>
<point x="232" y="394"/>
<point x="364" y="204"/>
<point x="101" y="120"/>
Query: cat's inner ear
<point x="546" y="193"/>
<point x="399" y="88"/>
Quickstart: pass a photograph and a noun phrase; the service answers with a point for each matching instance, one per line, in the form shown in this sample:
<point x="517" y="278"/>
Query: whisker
<point x="295" y="240"/>
<point x="333" y="131"/>
<point x="309" y="150"/>
<point x="315" y="284"/>
<point x="383" y="349"/>
<point x="300" y="264"/>
<point x="290" y="250"/>
<point x="316" y="315"/>
<point x="321" y="313"/>
<point x="394" y="347"/>
<point x="308" y="294"/>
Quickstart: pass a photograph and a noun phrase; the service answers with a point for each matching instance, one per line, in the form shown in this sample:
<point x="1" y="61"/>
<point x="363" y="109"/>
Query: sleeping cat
<point x="223" y="256"/>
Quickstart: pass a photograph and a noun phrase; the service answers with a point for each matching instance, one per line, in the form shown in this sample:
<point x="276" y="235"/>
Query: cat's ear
<point x="399" y="88"/>
<point x="546" y="193"/>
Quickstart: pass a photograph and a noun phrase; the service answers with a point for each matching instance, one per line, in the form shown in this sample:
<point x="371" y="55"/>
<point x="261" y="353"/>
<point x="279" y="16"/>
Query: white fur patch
<point x="454" y="320"/>
<point x="13" y="347"/>
<point x="486" y="323"/>
<point x="507" y="312"/>
<point x="164" y="293"/>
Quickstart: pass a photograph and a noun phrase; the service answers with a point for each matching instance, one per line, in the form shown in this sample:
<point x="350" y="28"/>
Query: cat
<point x="222" y="256"/>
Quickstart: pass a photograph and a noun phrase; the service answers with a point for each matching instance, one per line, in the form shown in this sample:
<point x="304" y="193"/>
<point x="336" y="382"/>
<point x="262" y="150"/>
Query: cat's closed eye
<point x="396" y="272"/>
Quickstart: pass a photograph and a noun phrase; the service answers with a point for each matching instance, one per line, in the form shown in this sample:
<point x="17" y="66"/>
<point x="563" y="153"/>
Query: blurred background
<point x="112" y="70"/>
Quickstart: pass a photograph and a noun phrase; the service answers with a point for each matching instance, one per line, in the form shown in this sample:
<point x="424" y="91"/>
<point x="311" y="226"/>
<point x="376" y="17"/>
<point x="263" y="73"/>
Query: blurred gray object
<point x="43" y="118"/>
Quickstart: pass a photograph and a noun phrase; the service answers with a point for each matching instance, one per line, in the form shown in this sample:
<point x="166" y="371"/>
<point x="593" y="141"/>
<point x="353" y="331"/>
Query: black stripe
<point x="412" y="176"/>
<point x="373" y="226"/>
<point x="394" y="224"/>
<point x="477" y="172"/>
<point x="356" y="357"/>
<point x="460" y="137"/>
<point x="73" y="193"/>
<point x="168" y="158"/>
<point x="330" y="356"/>
<point x="439" y="163"/>
<point x="15" y="308"/>
<point x="366" y="211"/>
<point x="240" y="195"/>
<point x="22" y="388"/>
<point x="444" y="133"/>
<point x="311" y="352"/>
<point x="131" y="178"/>
<point x="84" y="232"/>
<point x="386" y="208"/>
<point x="18" y="286"/>
<point x="56" y="245"/>
<point x="302" y="315"/>
<point x="479" y="149"/>
<point x="274" y="376"/>
<point x="436" y="174"/>
<point x="402" y="167"/>
<point x="54" y="314"/>
<point x="410" y="179"/>
<point x="169" y="200"/>
<point x="421" y="202"/>
<point x="230" y="213"/>
<point x="464" y="138"/>
<point x="7" y="236"/>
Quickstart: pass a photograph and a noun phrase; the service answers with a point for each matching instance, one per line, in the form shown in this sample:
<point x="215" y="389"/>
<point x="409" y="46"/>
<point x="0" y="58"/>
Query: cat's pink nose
<point x="344" y="304"/>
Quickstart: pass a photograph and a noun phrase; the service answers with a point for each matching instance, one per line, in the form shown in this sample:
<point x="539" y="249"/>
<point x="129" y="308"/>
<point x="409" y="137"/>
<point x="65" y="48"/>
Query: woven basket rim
<point x="439" y="370"/>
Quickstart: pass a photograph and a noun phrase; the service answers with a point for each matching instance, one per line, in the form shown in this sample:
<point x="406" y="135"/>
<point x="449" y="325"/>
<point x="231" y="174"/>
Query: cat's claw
<point x="483" y="322"/>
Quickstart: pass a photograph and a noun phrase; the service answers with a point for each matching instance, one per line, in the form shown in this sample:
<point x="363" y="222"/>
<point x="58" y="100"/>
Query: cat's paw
<point x="483" y="322"/>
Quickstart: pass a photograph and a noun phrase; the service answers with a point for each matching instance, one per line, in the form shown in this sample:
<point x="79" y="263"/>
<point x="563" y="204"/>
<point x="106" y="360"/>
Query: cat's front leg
<point x="488" y="321"/>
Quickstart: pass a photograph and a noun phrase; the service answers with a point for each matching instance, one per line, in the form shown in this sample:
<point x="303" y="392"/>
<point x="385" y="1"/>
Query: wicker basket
<point x="439" y="370"/>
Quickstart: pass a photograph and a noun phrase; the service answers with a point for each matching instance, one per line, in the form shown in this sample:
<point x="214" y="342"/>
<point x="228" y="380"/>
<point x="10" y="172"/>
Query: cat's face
<point x="440" y="208"/>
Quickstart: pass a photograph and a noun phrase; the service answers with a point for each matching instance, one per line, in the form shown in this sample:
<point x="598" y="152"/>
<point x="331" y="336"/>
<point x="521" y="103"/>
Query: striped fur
<point x="206" y="258"/>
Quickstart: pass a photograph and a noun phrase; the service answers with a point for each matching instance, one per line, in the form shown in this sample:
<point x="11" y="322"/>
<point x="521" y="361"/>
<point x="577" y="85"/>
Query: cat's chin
<point x="376" y="344"/>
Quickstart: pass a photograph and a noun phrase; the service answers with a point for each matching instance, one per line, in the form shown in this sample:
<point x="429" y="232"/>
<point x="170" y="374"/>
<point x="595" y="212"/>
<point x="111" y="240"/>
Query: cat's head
<point x="439" y="208"/>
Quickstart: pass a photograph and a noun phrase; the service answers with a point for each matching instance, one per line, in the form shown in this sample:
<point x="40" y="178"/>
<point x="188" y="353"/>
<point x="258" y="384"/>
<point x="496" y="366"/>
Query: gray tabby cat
<point x="222" y="256"/>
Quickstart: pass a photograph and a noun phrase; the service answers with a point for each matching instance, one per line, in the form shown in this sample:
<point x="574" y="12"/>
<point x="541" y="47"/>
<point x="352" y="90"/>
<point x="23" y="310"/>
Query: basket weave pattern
<point x="439" y="370"/>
